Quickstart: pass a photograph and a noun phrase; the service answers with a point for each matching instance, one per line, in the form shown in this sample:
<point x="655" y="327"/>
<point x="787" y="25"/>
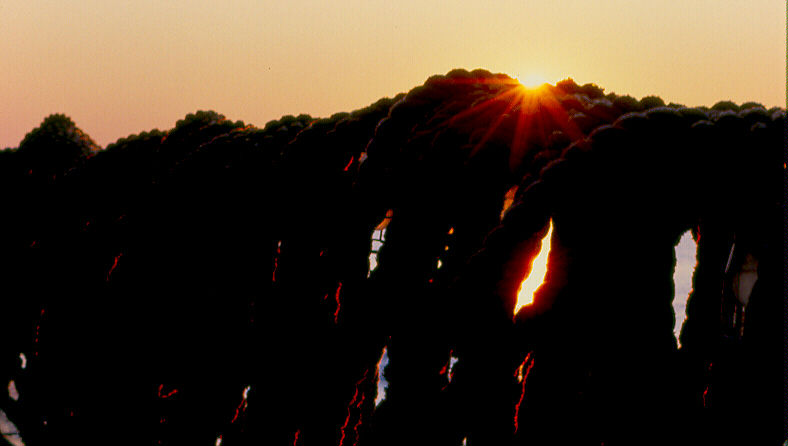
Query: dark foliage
<point x="213" y="280"/>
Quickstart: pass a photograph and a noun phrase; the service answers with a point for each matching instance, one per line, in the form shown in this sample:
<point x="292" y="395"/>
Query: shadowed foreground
<point x="212" y="283"/>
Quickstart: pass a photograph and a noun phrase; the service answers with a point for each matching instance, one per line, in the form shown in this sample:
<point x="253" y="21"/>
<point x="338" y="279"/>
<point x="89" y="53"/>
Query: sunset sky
<point x="122" y="67"/>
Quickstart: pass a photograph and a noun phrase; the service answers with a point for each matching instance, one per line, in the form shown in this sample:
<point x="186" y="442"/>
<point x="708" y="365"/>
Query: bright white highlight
<point x="686" y="260"/>
<point x="525" y="295"/>
<point x="378" y="238"/>
<point x="452" y="361"/>
<point x="382" y="383"/>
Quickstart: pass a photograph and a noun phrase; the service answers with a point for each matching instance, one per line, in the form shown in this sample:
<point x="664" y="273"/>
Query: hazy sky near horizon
<point x="122" y="67"/>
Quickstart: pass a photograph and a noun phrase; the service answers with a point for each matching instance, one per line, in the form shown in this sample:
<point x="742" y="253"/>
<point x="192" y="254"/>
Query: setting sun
<point x="531" y="80"/>
<point x="525" y="295"/>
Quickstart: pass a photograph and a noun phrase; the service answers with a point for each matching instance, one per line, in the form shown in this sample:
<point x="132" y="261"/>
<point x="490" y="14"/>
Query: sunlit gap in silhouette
<point x="9" y="431"/>
<point x="382" y="385"/>
<point x="686" y="260"/>
<point x="529" y="285"/>
<point x="377" y="241"/>
<point x="378" y="238"/>
<point x="508" y="200"/>
<point x="447" y="371"/>
<point x="452" y="362"/>
<point x="12" y="392"/>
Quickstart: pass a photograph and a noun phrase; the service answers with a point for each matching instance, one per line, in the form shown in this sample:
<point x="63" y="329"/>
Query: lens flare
<point x="525" y="295"/>
<point x="518" y="116"/>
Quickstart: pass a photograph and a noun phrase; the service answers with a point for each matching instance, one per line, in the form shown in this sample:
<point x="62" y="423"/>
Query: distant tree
<point x="55" y="146"/>
<point x="627" y="104"/>
<point x="568" y="85"/>
<point x="593" y="91"/>
<point x="725" y="105"/>
<point x="651" y="102"/>
<point x="747" y="105"/>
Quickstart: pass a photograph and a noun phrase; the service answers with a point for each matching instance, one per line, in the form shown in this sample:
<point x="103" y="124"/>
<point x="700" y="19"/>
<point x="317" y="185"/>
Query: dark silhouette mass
<point x="212" y="283"/>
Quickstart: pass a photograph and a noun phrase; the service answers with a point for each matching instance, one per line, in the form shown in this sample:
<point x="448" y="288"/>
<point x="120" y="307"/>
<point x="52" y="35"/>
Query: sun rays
<point x="521" y="116"/>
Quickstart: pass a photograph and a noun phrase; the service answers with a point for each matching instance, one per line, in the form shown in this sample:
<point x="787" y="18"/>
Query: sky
<point x="121" y="67"/>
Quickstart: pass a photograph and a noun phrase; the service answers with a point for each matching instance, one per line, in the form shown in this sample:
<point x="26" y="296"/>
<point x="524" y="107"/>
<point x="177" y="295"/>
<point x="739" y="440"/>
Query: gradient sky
<point x="122" y="67"/>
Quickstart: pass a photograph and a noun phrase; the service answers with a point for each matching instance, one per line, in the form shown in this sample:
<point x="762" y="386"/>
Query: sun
<point x="531" y="80"/>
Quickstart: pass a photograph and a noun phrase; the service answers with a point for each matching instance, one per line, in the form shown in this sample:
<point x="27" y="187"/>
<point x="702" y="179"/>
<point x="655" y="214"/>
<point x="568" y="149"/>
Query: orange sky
<point x="121" y="67"/>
